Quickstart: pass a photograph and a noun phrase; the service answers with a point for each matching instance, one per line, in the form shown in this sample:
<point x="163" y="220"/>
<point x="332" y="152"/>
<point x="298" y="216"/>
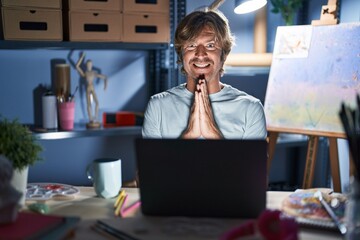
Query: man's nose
<point x="200" y="50"/>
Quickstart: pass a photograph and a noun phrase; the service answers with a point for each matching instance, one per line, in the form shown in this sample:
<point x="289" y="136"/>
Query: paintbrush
<point x="71" y="97"/>
<point x="351" y="124"/>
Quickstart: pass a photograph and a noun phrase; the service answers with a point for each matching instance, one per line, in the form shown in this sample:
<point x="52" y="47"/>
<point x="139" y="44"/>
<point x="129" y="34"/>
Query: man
<point x="203" y="107"/>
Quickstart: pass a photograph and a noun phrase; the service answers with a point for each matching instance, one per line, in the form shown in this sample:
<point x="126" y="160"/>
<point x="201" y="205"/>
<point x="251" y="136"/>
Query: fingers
<point x="208" y="126"/>
<point x="204" y="102"/>
<point x="193" y="129"/>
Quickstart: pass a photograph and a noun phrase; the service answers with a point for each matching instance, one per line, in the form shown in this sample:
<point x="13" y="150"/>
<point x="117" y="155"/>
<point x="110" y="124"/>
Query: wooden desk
<point x="90" y="208"/>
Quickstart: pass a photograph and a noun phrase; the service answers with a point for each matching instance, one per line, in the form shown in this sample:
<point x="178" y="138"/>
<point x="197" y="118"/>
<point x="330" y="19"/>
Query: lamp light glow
<point x="246" y="6"/>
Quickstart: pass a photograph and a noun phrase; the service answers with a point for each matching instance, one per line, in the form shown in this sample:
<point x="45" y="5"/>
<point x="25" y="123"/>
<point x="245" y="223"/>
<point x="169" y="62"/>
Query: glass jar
<point x="352" y="211"/>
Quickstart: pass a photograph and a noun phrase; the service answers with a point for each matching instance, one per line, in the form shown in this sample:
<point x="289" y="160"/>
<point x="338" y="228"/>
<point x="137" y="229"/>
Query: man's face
<point x="202" y="56"/>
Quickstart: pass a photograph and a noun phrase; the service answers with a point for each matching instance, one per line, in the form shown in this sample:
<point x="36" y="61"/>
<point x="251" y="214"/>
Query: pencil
<point x="101" y="231"/>
<point x="120" y="205"/>
<point x="121" y="194"/>
<point x="130" y="208"/>
<point x="113" y="231"/>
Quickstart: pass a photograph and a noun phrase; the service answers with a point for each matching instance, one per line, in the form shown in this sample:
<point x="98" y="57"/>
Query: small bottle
<point x="49" y="109"/>
<point x="352" y="211"/>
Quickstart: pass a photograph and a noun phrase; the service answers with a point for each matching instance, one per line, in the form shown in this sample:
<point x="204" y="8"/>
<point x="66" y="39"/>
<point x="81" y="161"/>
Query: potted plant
<point x="287" y="8"/>
<point x="19" y="146"/>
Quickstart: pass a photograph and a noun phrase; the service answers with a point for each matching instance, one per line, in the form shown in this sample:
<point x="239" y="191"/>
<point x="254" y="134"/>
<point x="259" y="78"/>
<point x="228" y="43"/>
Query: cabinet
<point x="162" y="67"/>
<point x="153" y="67"/>
<point x="66" y="153"/>
<point x="81" y="131"/>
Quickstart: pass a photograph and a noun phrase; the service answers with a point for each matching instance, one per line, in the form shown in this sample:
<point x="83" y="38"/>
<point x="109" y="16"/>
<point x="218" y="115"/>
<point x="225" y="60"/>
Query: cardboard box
<point x="32" y="24"/>
<point x="95" y="26"/>
<point x="141" y="27"/>
<point x="32" y="3"/>
<point x="158" y="6"/>
<point x="109" y="5"/>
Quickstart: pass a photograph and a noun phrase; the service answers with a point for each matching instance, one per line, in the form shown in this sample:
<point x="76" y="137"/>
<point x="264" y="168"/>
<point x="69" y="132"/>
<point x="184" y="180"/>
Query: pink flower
<point x="245" y="229"/>
<point x="274" y="226"/>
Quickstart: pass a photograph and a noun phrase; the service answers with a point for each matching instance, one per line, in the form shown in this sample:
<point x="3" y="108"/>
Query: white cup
<point x="49" y="106"/>
<point x="105" y="173"/>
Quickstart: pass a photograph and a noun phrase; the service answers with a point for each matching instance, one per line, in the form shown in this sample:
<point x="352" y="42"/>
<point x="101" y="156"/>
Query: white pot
<point x="19" y="182"/>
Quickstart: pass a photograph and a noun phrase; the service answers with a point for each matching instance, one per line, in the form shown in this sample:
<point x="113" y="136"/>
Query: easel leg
<point x="310" y="161"/>
<point x="334" y="164"/>
<point x="272" y="139"/>
<point x="351" y="165"/>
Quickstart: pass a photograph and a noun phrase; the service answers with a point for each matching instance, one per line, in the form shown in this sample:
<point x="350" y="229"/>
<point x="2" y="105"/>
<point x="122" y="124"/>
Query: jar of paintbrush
<point x="350" y="118"/>
<point x="352" y="211"/>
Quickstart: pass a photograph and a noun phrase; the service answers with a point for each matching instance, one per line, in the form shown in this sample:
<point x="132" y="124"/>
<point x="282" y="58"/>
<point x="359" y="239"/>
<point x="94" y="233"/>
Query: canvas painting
<point x="314" y="70"/>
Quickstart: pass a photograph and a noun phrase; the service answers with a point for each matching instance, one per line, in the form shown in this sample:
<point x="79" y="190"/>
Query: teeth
<point x="201" y="65"/>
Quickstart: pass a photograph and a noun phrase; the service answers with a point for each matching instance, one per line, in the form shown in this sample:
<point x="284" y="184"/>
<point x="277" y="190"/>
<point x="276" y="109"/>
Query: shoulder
<point x="235" y="94"/>
<point x="163" y="96"/>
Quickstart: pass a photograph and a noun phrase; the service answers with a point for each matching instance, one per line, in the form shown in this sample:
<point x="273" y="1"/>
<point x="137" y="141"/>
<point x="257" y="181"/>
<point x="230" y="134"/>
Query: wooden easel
<point x="328" y="15"/>
<point x="312" y="148"/>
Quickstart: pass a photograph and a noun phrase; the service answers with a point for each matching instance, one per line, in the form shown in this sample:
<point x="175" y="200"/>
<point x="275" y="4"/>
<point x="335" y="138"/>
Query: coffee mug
<point x="105" y="173"/>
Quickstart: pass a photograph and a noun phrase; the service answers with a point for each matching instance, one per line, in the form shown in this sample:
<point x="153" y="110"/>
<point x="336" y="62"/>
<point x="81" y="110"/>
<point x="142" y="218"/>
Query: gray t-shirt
<point x="237" y="114"/>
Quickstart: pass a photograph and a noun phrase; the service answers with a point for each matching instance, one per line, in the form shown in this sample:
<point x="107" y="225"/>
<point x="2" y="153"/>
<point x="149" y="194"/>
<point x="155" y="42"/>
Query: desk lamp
<point x="260" y="57"/>
<point x="246" y="6"/>
<point x="242" y="6"/>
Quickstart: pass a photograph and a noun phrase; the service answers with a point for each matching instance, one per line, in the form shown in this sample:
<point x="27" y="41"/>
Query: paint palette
<point x="46" y="191"/>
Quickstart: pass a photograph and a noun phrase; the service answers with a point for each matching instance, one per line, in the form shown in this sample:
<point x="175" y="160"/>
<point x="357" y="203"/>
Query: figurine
<point x="9" y="196"/>
<point x="90" y="75"/>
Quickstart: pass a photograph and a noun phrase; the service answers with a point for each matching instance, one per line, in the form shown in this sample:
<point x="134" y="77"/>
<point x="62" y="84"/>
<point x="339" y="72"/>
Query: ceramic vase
<point x="19" y="182"/>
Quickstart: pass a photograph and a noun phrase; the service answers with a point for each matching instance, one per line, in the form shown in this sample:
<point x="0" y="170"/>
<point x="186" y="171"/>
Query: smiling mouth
<point x="201" y="65"/>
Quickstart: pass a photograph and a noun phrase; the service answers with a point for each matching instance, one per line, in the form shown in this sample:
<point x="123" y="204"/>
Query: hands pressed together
<point x="201" y="120"/>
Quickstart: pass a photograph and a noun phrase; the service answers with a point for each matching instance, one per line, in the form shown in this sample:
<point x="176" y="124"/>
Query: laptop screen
<point x="202" y="178"/>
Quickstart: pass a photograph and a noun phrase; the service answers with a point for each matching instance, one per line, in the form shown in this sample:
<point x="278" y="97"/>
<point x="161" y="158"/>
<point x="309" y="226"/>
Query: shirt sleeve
<point x="255" y="122"/>
<point x="151" y="125"/>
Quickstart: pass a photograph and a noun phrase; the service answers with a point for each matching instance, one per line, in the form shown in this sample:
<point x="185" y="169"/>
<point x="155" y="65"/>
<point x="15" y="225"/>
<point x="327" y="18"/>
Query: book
<point x="38" y="226"/>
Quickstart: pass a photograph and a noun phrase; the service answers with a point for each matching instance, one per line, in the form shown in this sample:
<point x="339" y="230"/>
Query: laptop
<point x="202" y="178"/>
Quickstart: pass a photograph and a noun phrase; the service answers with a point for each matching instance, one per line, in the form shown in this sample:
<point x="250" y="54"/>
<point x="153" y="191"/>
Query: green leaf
<point x="287" y="9"/>
<point x="18" y="144"/>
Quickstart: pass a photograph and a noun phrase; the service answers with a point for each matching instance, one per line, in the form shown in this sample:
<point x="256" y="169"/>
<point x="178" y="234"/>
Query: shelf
<point x="82" y="131"/>
<point x="246" y="71"/>
<point x="10" y="44"/>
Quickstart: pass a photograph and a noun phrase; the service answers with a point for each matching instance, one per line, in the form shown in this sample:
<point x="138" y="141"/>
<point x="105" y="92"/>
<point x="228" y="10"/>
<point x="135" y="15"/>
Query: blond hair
<point x="191" y="26"/>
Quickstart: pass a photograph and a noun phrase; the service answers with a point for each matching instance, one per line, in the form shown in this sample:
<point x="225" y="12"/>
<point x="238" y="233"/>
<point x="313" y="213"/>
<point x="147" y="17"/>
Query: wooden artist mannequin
<point x="90" y="75"/>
